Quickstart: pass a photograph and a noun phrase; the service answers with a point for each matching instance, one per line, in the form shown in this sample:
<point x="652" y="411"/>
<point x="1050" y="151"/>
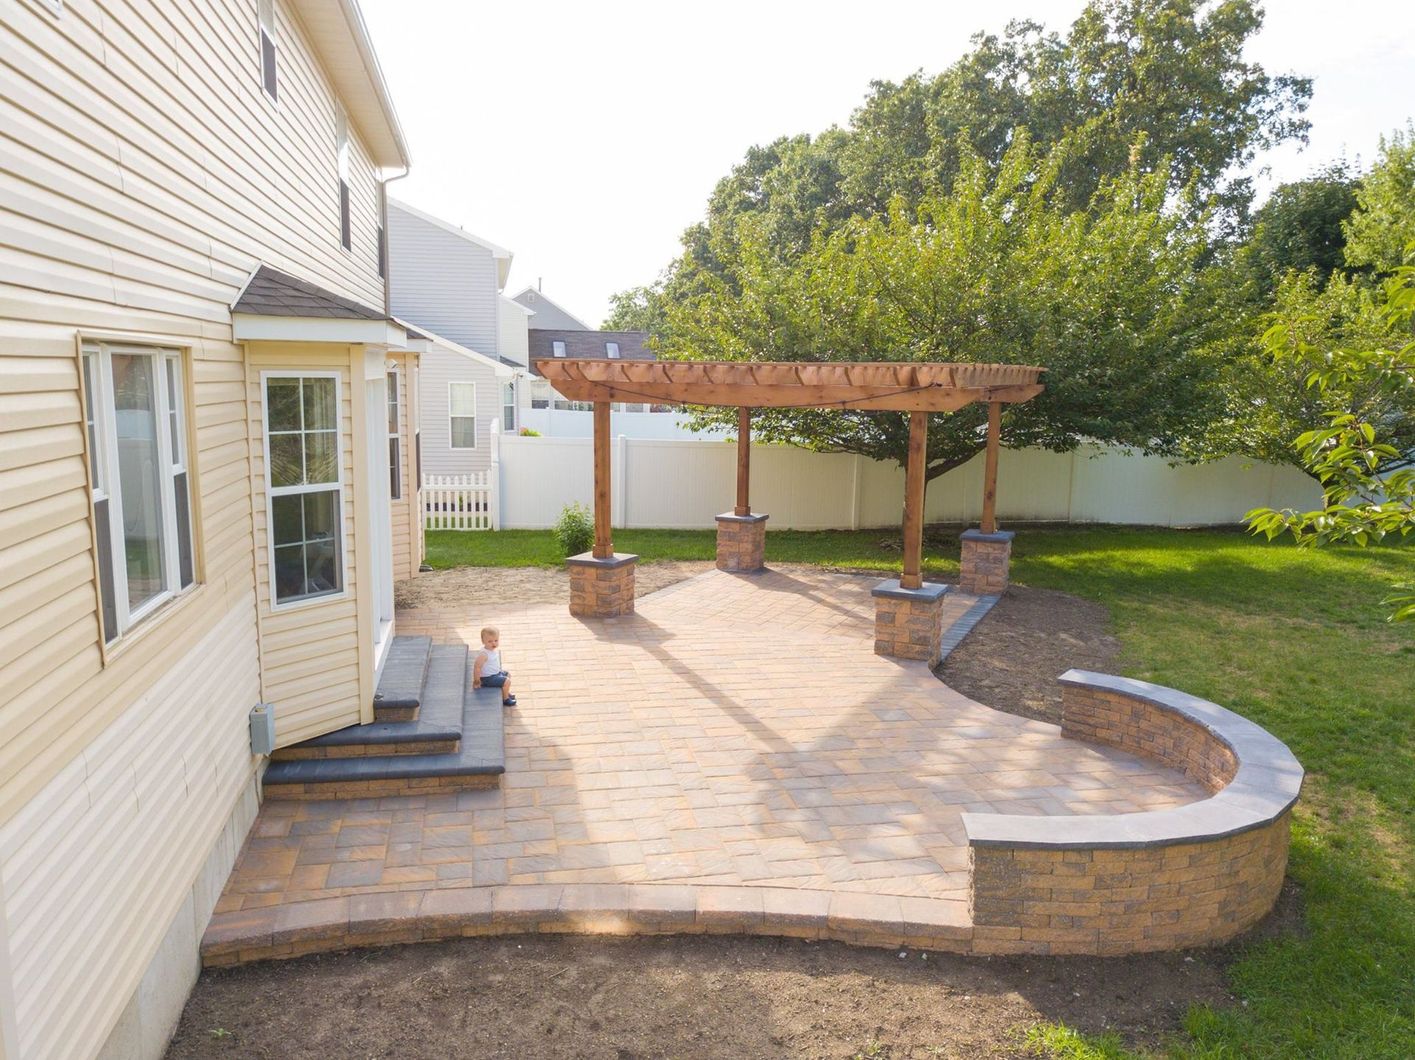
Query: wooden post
<point x="912" y="577"/>
<point x="744" y="461"/>
<point x="989" y="524"/>
<point x="603" y="539"/>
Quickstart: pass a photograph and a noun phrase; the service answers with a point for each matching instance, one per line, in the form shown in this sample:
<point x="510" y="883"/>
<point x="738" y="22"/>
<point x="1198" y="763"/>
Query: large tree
<point x="1148" y="85"/>
<point x="1003" y="268"/>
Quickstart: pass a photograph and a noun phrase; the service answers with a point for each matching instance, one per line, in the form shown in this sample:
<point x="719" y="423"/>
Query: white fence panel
<point x="684" y="484"/>
<point x="461" y="502"/>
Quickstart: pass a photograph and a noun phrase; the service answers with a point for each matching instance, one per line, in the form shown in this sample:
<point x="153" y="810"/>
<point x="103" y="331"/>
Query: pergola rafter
<point x="915" y="388"/>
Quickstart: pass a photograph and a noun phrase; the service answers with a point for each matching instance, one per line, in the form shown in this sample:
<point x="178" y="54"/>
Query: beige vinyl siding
<point x="114" y="780"/>
<point x="311" y="651"/>
<point x="96" y="864"/>
<point x="143" y="174"/>
<point x="407" y="536"/>
<point x="144" y="167"/>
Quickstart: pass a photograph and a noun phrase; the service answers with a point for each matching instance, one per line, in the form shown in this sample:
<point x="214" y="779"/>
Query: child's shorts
<point x="494" y="680"/>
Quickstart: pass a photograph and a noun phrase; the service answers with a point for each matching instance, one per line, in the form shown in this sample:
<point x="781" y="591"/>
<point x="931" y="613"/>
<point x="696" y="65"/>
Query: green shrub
<point x="574" y="529"/>
<point x="529" y="432"/>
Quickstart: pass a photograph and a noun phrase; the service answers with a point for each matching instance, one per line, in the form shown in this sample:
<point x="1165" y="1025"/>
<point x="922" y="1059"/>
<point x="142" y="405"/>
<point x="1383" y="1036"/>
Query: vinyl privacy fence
<point x="685" y="484"/>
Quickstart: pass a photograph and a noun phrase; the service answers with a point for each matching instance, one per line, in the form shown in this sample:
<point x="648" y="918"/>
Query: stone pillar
<point x="741" y="542"/>
<point x="909" y="622"/>
<point x="601" y="588"/>
<point x="986" y="559"/>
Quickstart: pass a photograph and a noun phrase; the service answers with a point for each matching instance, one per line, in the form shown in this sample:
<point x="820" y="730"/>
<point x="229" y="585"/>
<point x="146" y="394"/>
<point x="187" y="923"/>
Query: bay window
<point x="136" y="419"/>
<point x="304" y="485"/>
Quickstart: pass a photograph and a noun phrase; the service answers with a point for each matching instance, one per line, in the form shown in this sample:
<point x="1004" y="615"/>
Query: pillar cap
<point x="997" y="536"/>
<point x="928" y="593"/>
<point x="732" y="517"/>
<point x="589" y="559"/>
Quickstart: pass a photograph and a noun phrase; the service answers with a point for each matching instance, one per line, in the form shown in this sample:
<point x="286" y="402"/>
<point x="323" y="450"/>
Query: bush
<point x="529" y="432"/>
<point x="574" y="529"/>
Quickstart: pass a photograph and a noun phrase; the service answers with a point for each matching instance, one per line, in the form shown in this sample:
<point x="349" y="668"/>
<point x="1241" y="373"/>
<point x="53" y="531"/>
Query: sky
<point x="585" y="137"/>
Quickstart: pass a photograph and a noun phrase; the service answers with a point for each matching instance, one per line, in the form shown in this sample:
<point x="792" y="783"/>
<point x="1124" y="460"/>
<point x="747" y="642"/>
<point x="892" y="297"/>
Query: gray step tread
<point x="483" y="748"/>
<point x="440" y="715"/>
<point x="401" y="682"/>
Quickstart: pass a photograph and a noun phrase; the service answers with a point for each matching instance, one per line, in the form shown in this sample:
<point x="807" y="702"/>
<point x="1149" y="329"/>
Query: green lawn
<point x="1296" y="641"/>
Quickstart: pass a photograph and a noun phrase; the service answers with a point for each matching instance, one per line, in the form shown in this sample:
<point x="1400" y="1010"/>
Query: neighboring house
<point x="549" y="413"/>
<point x="448" y="282"/>
<point x="549" y="316"/>
<point x="207" y="470"/>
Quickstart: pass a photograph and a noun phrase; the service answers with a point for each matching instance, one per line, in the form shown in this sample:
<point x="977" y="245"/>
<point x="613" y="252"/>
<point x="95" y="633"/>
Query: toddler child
<point x="487" y="671"/>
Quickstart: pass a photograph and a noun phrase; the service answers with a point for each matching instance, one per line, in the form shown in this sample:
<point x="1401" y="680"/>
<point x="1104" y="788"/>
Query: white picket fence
<point x="461" y="502"/>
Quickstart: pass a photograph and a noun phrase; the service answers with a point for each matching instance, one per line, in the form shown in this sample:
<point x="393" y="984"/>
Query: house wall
<point x="440" y="281"/>
<point x="513" y="342"/>
<point x="439" y="367"/>
<point x="313" y="656"/>
<point x="143" y="173"/>
<point x="407" y="533"/>
<point x="548" y="315"/>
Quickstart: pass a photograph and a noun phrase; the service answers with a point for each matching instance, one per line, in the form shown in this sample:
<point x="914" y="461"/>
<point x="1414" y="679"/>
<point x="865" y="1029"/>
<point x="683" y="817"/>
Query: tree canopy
<point x="999" y="269"/>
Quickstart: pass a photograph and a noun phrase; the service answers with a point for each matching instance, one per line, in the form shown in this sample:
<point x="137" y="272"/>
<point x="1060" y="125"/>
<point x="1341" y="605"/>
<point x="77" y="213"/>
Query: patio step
<point x="399" y="693"/>
<point x="448" y="704"/>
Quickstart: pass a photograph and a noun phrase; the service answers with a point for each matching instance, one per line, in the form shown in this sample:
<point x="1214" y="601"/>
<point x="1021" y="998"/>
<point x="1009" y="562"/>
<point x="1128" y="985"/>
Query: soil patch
<point x="664" y="997"/>
<point x="1013" y="657"/>
<point x="459" y="586"/>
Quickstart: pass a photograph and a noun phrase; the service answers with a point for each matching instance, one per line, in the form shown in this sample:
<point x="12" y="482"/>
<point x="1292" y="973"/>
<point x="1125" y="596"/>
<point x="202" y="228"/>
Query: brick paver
<point x="737" y="731"/>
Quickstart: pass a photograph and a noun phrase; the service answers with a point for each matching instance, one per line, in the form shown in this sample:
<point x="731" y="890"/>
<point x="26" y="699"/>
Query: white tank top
<point x="492" y="664"/>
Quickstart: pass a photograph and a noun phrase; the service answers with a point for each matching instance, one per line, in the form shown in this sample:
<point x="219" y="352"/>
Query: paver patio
<point x="736" y="730"/>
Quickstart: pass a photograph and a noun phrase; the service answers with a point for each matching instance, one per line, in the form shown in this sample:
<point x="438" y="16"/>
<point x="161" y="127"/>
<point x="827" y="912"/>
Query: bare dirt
<point x="561" y="996"/>
<point x="460" y="586"/>
<point x="1013" y="657"/>
<point x="538" y="996"/>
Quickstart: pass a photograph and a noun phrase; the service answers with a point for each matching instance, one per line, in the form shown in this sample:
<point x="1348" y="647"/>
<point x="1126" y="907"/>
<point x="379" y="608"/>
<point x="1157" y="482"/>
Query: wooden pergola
<point x="917" y="389"/>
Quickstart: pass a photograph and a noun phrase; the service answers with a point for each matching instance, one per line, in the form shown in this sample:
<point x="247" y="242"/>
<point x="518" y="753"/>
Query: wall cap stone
<point x="997" y="536"/>
<point x="1264" y="787"/>
<point x="589" y="559"/>
<point x="732" y="517"/>
<point x="890" y="587"/>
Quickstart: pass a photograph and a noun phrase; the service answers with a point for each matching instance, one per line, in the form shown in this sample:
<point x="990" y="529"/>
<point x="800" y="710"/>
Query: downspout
<point x="383" y="221"/>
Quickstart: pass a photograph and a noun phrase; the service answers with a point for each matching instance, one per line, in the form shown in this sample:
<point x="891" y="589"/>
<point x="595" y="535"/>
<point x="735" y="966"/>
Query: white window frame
<point x="104" y="470"/>
<point x="557" y="347"/>
<point x="271" y="492"/>
<point x="611" y="350"/>
<point x="451" y="444"/>
<point x="508" y="405"/>
<point x="267" y="31"/>
<point x="395" y="436"/>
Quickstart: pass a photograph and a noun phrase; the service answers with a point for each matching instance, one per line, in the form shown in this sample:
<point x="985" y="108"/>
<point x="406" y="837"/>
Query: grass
<point x="1295" y="640"/>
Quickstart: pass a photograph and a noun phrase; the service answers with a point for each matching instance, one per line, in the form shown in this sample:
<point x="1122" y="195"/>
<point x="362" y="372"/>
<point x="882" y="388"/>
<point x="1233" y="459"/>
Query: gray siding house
<point x="448" y="282"/>
<point x="548" y="315"/>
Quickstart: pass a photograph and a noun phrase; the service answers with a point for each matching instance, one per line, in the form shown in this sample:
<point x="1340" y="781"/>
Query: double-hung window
<point x="265" y="15"/>
<point x="136" y="417"/>
<point x="341" y="147"/>
<point x="508" y="406"/>
<point x="304" y="485"/>
<point x="395" y="453"/>
<point x="462" y="415"/>
<point x="540" y="394"/>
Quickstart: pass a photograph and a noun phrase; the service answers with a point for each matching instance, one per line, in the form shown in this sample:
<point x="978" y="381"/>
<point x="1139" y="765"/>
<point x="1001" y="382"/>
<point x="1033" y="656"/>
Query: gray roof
<point x="272" y="293"/>
<point x="588" y="344"/>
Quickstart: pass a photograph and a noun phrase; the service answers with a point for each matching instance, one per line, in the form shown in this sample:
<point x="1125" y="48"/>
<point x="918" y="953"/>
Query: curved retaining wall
<point x="1167" y="879"/>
